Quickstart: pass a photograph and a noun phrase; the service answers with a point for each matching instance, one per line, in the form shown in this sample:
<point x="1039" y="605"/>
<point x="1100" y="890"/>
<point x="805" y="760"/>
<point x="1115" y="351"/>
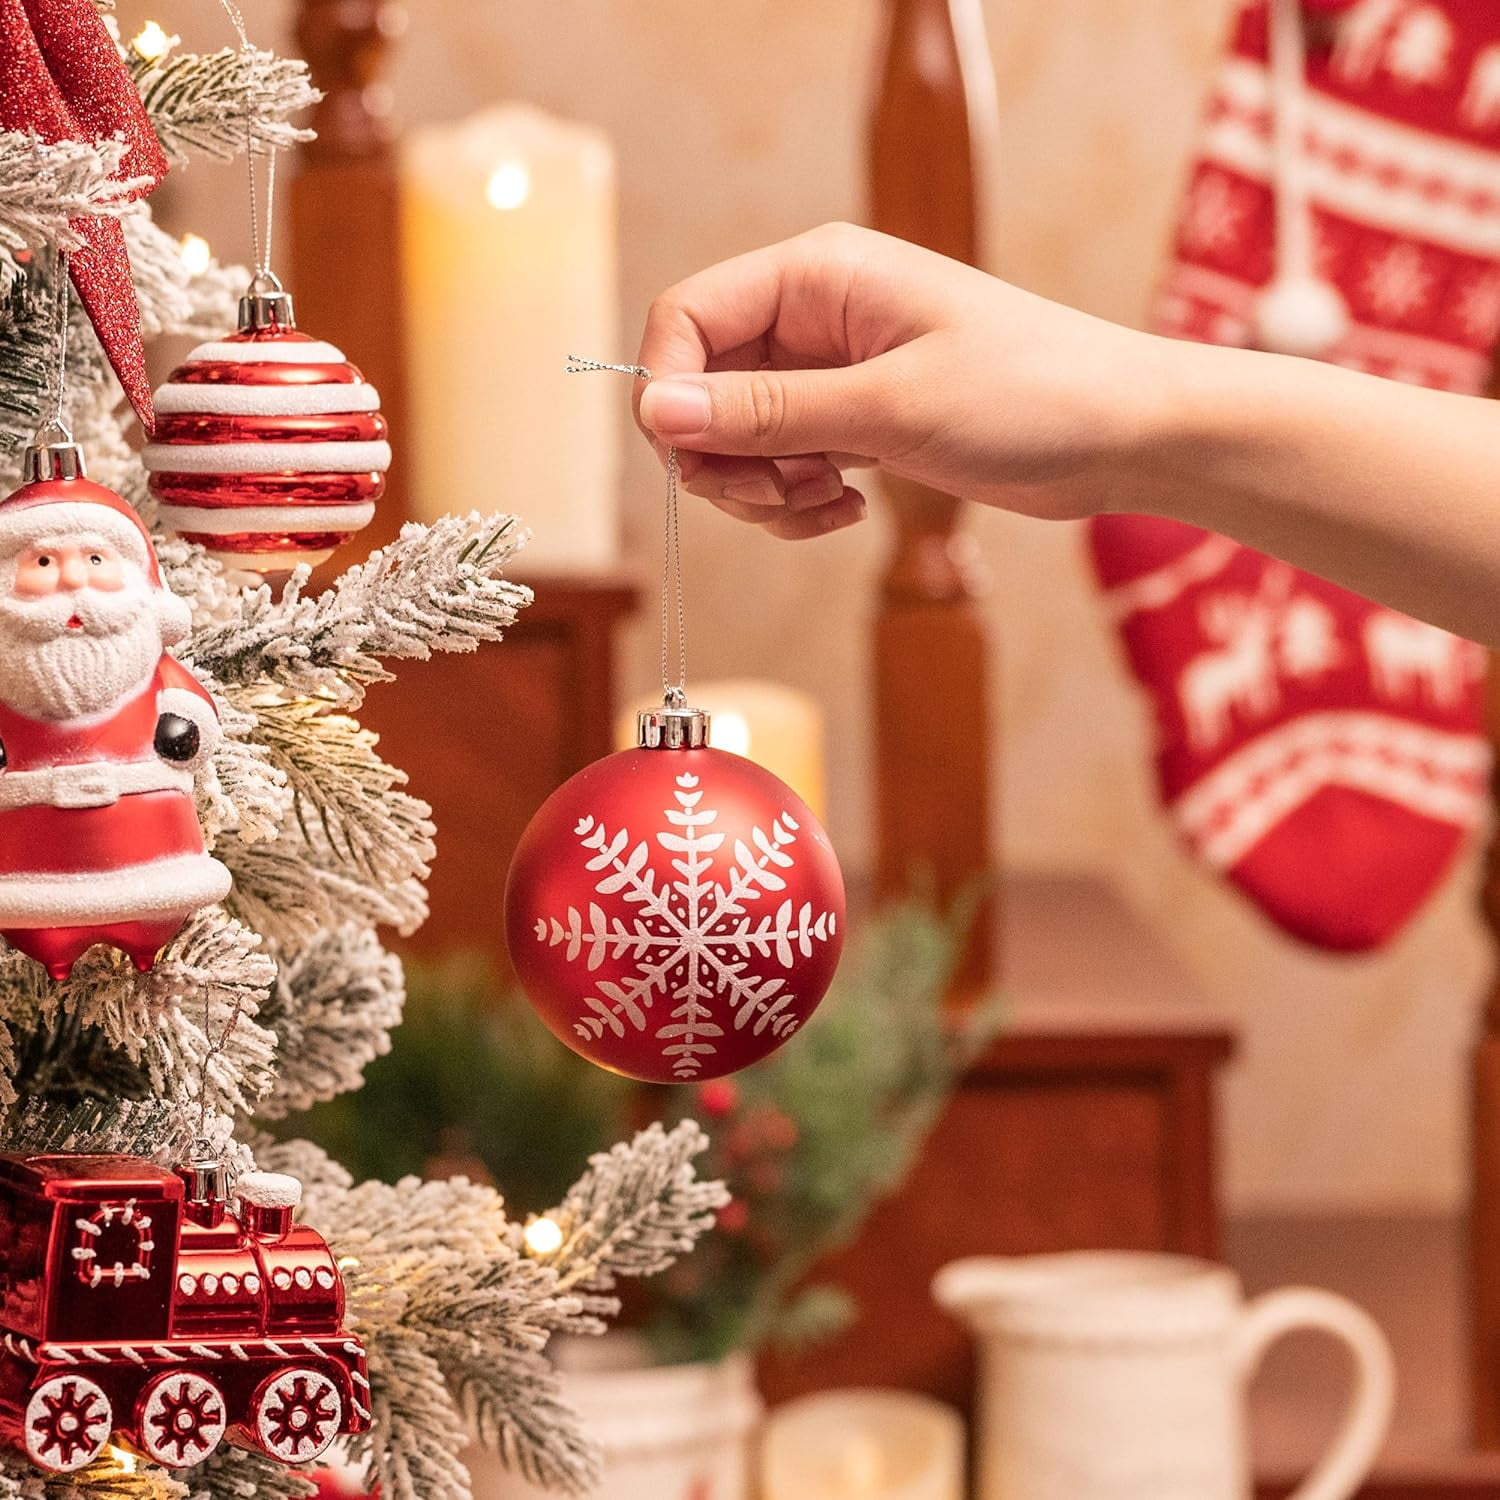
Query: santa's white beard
<point x="51" y="672"/>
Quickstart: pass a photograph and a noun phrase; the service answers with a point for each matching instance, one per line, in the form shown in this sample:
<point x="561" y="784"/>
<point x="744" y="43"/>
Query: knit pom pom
<point x="1300" y="315"/>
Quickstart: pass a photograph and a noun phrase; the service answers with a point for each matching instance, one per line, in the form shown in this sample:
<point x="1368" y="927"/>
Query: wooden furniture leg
<point x="1484" y="1186"/>
<point x="932" y="122"/>
<point x="345" y="214"/>
<point x="484" y="737"/>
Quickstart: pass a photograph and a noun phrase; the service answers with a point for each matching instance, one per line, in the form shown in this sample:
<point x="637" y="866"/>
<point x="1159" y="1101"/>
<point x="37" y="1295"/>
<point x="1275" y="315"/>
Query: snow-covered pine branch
<point x="637" y="1208"/>
<point x="456" y="1316"/>
<point x="174" y="299"/>
<point x="201" y="101"/>
<point x="150" y="1033"/>
<point x="103" y="1479"/>
<point x="242" y="1474"/>
<point x="333" y="1008"/>
<point x="43" y="186"/>
<point x="350" y="811"/>
<point x="435" y="588"/>
<point x="28" y="358"/>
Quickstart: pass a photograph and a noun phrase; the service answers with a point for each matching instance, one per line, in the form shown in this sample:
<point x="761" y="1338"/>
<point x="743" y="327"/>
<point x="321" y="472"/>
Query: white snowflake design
<point x="1215" y="213"/>
<point x="1398" y="282"/>
<point x="692" y="937"/>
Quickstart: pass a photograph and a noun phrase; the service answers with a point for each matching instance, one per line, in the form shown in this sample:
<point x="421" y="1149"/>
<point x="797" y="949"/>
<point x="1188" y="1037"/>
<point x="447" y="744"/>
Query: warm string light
<point x="152" y="43"/>
<point x="125" y="1462"/>
<point x="195" y="253"/>
<point x="543" y="1236"/>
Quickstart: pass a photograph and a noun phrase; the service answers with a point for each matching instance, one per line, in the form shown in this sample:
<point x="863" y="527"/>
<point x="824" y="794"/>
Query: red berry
<point x="719" y="1097"/>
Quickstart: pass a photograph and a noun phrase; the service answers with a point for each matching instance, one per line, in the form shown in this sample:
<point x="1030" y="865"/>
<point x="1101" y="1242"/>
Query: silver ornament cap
<point x="673" y="726"/>
<point x="266" y="305"/>
<point x="52" y="454"/>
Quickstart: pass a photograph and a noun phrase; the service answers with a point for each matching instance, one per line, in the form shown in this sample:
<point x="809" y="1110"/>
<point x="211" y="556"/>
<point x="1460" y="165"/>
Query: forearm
<point x="1390" y="490"/>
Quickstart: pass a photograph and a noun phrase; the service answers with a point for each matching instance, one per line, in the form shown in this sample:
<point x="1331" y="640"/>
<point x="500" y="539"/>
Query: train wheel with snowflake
<point x="297" y="1414"/>
<point x="182" y="1419"/>
<point x="68" y="1420"/>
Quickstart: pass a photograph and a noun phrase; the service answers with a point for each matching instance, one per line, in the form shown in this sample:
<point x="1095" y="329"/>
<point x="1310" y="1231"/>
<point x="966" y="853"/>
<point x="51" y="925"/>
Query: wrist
<point x="1207" y="425"/>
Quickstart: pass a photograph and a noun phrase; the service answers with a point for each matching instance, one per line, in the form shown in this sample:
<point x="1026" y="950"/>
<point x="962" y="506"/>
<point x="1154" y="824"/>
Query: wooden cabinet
<point x="1088" y="1124"/>
<point x="486" y="738"/>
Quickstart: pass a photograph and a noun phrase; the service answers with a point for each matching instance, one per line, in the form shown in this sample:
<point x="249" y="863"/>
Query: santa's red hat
<point x="58" y="510"/>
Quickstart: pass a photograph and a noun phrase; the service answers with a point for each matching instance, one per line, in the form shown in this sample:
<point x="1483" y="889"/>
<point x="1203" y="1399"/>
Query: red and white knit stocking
<point x="1322" y="752"/>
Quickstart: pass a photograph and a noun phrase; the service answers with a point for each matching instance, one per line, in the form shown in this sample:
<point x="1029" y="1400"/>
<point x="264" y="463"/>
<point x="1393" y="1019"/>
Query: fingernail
<point x="753" y="492"/>
<point x="818" y="490"/>
<point x="675" y="408"/>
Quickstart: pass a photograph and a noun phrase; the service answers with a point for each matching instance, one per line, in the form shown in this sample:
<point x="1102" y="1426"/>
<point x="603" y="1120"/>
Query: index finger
<point x="708" y="314"/>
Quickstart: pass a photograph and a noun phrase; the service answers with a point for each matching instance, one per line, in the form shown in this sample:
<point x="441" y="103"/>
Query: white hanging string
<point x="261" y="250"/>
<point x="673" y="685"/>
<point x="1288" y="59"/>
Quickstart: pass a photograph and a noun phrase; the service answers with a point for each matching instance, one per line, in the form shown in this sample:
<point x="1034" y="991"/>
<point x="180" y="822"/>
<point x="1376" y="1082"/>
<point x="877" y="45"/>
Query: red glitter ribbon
<point x="61" y="77"/>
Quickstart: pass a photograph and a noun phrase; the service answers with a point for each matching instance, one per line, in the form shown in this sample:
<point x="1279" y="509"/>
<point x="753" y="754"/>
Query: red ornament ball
<point x="674" y="915"/>
<point x="269" y="449"/>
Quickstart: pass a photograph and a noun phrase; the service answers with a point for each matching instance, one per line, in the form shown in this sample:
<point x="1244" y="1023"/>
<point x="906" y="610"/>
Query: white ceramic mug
<point x="1121" y="1376"/>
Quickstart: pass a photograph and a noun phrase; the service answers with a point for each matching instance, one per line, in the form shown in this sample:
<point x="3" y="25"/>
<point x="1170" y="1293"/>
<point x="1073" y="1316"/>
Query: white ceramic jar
<point x="1117" y="1376"/>
<point x="668" y="1432"/>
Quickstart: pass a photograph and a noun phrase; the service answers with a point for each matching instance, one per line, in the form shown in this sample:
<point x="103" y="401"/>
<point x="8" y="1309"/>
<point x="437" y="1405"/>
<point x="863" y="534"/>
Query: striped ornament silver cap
<point x="266" y="305"/>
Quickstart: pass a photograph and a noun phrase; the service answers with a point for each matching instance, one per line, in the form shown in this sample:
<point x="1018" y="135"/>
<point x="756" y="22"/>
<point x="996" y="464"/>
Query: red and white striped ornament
<point x="269" y="449"/>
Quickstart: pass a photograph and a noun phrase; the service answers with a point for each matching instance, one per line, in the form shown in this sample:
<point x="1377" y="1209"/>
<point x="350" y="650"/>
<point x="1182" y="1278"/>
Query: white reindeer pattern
<point x="1481" y="104"/>
<point x="1408" y="658"/>
<point x="1263" y="639"/>
<point x="1239" y="673"/>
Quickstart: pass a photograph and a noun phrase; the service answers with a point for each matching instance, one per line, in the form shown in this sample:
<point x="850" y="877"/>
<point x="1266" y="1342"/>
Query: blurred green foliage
<point x="808" y="1140"/>
<point x="472" y="1080"/>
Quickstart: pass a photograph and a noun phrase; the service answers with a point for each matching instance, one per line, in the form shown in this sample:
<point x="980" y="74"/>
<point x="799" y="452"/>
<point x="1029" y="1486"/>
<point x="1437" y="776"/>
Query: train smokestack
<point x="267" y="1201"/>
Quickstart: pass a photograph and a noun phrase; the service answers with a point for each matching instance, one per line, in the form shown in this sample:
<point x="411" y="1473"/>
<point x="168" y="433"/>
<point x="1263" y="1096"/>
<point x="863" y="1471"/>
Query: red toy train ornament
<point x="133" y="1301"/>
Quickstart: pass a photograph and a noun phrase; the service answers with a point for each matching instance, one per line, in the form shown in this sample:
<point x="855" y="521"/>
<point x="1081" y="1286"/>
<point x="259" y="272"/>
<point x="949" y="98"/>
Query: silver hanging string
<point x="673" y="686"/>
<point x="55" y="419"/>
<point x="216" y="1046"/>
<point x="261" y="251"/>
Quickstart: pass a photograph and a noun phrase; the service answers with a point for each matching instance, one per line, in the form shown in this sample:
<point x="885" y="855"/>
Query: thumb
<point x="773" y="413"/>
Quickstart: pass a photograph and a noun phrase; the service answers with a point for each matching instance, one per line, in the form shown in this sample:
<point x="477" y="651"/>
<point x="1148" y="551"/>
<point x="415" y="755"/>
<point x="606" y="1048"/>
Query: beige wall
<point x="739" y="122"/>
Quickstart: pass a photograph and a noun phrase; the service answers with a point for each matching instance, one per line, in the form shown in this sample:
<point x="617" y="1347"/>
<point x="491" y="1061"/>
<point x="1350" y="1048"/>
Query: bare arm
<point x="780" y="371"/>
<point x="1390" y="490"/>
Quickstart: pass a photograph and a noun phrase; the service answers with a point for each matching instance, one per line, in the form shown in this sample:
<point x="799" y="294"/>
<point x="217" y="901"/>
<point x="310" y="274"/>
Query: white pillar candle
<point x="863" y="1445"/>
<point x="509" y="266"/>
<point x="778" y="727"/>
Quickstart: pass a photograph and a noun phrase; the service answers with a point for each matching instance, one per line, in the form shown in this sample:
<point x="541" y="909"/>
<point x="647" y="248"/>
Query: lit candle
<point x="509" y="266"/>
<point x="863" y="1445"/>
<point x="776" y="726"/>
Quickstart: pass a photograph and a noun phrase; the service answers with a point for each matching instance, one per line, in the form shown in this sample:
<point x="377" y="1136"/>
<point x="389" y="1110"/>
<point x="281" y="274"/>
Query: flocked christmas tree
<point x="277" y="995"/>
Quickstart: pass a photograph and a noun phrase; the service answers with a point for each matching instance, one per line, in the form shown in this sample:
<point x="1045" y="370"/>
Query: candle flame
<point x="196" y="255"/>
<point x="509" y="186"/>
<point x="152" y="43"/>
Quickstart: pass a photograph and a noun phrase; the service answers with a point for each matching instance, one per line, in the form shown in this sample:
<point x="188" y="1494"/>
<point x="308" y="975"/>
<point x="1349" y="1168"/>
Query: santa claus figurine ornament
<point x="101" y="731"/>
<point x="674" y="912"/>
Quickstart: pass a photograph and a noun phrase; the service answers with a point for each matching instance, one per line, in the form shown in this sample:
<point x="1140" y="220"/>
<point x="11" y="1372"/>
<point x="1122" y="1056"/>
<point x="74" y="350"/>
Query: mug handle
<point x="1356" y="1445"/>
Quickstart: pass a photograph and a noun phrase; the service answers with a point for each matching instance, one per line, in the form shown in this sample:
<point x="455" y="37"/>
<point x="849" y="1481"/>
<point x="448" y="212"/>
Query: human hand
<point x="777" y="370"/>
